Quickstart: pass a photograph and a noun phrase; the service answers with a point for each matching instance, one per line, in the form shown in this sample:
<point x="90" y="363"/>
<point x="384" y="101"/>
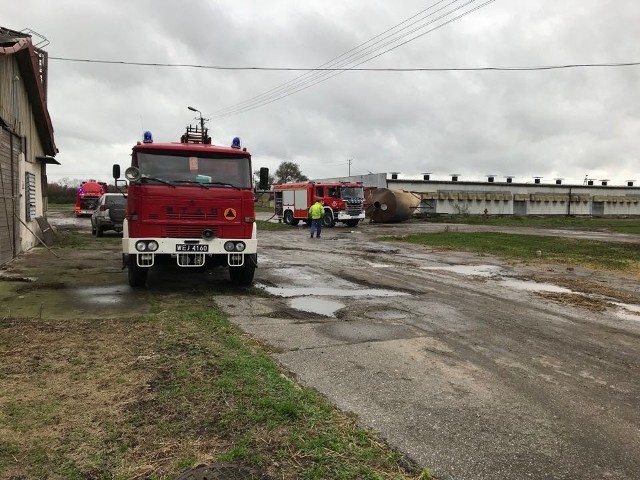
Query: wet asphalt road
<point x="455" y="359"/>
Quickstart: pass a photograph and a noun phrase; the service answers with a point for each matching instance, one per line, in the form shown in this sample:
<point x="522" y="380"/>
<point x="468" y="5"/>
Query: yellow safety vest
<point x="316" y="211"/>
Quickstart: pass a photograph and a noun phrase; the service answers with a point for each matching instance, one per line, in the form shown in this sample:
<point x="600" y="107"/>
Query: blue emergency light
<point x="236" y="142"/>
<point x="147" y="137"/>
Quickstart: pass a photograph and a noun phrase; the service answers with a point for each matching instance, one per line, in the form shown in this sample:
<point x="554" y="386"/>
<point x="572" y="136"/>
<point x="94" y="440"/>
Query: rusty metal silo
<point x="390" y="206"/>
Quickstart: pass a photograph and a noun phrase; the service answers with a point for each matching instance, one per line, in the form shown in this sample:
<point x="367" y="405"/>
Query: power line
<point x="360" y="69"/>
<point x="358" y="55"/>
<point x="340" y="60"/>
<point x="400" y="34"/>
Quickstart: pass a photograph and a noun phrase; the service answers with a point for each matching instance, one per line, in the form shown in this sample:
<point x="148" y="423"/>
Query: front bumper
<point x="195" y="256"/>
<point x="342" y="215"/>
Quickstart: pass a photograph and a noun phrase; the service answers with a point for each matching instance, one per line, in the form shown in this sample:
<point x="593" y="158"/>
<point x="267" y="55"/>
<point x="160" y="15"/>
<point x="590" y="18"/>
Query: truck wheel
<point x="99" y="230"/>
<point x="243" y="276"/>
<point x="352" y="223"/>
<point x="137" y="275"/>
<point x="93" y="229"/>
<point x="289" y="220"/>
<point x="327" y="220"/>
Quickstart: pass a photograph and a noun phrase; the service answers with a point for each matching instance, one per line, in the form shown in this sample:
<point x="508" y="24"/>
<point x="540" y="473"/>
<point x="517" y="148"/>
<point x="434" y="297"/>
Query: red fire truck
<point x="190" y="204"/>
<point x="343" y="202"/>
<point x="87" y="197"/>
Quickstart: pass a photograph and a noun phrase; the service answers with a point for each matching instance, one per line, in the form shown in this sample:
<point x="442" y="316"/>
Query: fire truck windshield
<point x="214" y="170"/>
<point x="352" y="192"/>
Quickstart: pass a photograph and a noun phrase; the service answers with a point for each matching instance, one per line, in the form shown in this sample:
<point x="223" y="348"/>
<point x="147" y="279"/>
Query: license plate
<point x="184" y="247"/>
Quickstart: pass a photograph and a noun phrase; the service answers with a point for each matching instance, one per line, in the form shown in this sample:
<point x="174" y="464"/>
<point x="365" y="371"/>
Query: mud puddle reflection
<point x="102" y="295"/>
<point x="329" y="292"/>
<point x="627" y="311"/>
<point x="309" y="297"/>
<point x="472" y="270"/>
<point x="328" y="308"/>
<point x="531" y="286"/>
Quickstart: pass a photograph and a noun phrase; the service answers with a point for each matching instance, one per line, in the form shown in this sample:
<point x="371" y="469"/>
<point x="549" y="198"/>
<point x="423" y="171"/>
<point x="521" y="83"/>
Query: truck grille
<point x="354" y="210"/>
<point x="189" y="231"/>
<point x="197" y="215"/>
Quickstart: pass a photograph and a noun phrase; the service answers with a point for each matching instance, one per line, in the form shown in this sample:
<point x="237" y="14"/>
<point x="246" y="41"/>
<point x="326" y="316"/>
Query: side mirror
<point x="116" y="171"/>
<point x="264" y="179"/>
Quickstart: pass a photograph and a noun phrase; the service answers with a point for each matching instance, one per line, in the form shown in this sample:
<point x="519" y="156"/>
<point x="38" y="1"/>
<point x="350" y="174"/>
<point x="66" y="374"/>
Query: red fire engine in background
<point x="87" y="197"/>
<point x="190" y="204"/>
<point x="343" y="202"/>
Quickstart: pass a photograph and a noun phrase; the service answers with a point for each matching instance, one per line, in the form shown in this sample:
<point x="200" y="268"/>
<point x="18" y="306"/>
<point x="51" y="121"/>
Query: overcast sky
<point x="562" y="123"/>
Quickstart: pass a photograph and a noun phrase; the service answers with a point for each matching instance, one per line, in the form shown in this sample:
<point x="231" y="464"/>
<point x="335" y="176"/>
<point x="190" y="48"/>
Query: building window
<point x="30" y="187"/>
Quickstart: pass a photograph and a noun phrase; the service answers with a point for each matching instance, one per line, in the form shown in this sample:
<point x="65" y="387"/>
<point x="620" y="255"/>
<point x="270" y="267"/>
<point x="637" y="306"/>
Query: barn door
<point x="9" y="155"/>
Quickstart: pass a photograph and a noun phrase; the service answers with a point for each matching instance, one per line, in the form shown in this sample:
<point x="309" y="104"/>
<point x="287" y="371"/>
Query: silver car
<point x="109" y="214"/>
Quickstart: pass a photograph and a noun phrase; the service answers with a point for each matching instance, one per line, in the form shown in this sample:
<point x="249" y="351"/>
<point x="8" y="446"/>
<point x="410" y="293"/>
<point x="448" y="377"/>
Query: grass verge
<point x="264" y="225"/>
<point x="149" y="397"/>
<point x="620" y="225"/>
<point x="607" y="255"/>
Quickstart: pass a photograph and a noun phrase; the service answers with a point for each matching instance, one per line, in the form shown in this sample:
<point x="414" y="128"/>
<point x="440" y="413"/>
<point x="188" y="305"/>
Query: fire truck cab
<point x="343" y="202"/>
<point x="190" y="204"/>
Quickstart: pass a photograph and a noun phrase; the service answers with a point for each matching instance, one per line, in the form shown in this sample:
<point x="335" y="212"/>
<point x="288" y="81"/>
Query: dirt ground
<point x="476" y="367"/>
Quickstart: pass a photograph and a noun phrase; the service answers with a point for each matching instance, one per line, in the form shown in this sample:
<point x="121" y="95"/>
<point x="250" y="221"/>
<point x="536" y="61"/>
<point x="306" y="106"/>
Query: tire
<point x="352" y="223"/>
<point x="93" y="229"/>
<point x="327" y="220"/>
<point x="116" y="215"/>
<point x="289" y="220"/>
<point x="99" y="230"/>
<point x="243" y="276"/>
<point x="137" y="275"/>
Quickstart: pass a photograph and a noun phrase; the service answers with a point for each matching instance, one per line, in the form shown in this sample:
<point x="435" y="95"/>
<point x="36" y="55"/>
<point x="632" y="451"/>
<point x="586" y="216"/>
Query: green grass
<point x="218" y="384"/>
<point x="74" y="239"/>
<point x="264" y="225"/>
<point x="263" y="208"/>
<point x="609" y="255"/>
<point x="630" y="229"/>
<point x="623" y="225"/>
<point x="209" y="393"/>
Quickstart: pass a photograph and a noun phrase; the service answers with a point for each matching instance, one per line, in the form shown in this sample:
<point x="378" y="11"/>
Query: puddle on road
<point x="316" y="305"/>
<point x="297" y="273"/>
<point x="329" y="292"/>
<point x="531" y="286"/>
<point x="475" y="270"/>
<point x="386" y="315"/>
<point x="627" y="311"/>
<point x="306" y="298"/>
<point x="102" y="295"/>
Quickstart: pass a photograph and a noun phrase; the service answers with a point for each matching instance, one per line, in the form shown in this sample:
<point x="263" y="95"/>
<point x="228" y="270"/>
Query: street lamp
<point x="201" y="122"/>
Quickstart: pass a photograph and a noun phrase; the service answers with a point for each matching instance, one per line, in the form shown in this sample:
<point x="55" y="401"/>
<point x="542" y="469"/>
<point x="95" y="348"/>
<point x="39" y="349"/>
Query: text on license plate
<point x="183" y="247"/>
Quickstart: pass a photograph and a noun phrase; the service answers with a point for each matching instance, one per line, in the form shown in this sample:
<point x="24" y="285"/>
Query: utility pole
<point x="349" y="166"/>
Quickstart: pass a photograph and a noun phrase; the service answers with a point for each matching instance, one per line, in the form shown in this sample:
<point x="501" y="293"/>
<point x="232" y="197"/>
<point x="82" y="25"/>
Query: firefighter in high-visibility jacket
<point x="316" y="212"/>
